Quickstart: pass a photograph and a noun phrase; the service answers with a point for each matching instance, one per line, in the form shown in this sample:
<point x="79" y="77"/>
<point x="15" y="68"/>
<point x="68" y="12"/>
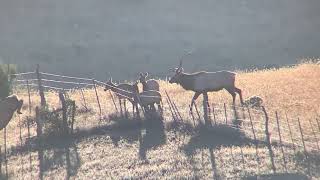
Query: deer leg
<point x="240" y="94"/>
<point x="195" y="96"/>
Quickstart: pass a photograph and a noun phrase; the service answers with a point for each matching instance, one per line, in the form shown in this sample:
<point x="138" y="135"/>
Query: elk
<point x="123" y="91"/>
<point x="8" y="106"/>
<point x="203" y="82"/>
<point x="148" y="98"/>
<point x="150" y="84"/>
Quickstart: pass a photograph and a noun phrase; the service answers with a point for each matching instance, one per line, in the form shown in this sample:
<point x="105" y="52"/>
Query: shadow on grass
<point x="150" y="132"/>
<point x="285" y="176"/>
<point x="309" y="164"/>
<point x="215" y="137"/>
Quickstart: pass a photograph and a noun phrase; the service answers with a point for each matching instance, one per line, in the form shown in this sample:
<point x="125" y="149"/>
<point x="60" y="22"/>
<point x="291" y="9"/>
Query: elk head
<point x="109" y="84"/>
<point x="143" y="77"/>
<point x="178" y="73"/>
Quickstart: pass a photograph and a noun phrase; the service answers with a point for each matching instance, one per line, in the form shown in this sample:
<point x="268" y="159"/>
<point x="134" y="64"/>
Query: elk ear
<point x="146" y="74"/>
<point x="141" y="74"/>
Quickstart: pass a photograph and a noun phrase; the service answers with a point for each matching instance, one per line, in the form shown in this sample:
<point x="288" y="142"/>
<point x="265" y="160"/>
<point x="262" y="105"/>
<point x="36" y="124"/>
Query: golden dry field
<point x="126" y="148"/>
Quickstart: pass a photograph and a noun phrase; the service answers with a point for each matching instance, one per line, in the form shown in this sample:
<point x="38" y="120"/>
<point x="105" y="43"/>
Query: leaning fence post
<point x="314" y="134"/>
<point x="28" y="88"/>
<point x="40" y="87"/>
<point x="84" y="99"/>
<point x="197" y="111"/>
<point x="5" y="151"/>
<point x="205" y="109"/>
<point x="0" y="160"/>
<point x="255" y="139"/>
<point x="114" y="102"/>
<point x="304" y="146"/>
<point x="293" y="145"/>
<point x="281" y="146"/>
<point x="271" y="154"/>
<point x="225" y="112"/>
<point x="318" y="124"/>
<point x="214" y="115"/>
<point x="97" y="96"/>
<point x="302" y="138"/>
<point x="73" y="115"/>
<point x="64" y="113"/>
<point x="192" y="116"/>
<point x="39" y="135"/>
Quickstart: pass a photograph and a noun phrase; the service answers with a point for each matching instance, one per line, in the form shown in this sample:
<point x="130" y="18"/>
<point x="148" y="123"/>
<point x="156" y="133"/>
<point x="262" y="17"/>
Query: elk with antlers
<point x="203" y="82"/>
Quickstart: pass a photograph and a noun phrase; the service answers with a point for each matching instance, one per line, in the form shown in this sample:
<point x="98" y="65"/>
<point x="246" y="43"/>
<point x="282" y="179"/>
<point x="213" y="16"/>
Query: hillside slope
<point x="121" y="148"/>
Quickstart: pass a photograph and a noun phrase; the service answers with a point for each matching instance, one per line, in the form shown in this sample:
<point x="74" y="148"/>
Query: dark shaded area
<point x="309" y="162"/>
<point x="215" y="137"/>
<point x="286" y="176"/>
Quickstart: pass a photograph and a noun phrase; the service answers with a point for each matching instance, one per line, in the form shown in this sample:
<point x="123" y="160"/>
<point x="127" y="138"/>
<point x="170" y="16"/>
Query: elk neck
<point x="187" y="81"/>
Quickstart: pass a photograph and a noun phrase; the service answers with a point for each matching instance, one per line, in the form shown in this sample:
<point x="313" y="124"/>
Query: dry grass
<point x="118" y="153"/>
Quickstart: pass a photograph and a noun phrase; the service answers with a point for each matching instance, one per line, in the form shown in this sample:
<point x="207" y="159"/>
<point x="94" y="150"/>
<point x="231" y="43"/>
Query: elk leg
<point x="195" y="96"/>
<point x="125" y="108"/>
<point x="120" y="106"/>
<point x="233" y="94"/>
<point x="240" y="93"/>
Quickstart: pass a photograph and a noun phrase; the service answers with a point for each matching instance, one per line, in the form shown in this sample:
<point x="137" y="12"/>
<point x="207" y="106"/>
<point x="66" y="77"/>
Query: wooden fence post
<point x="5" y="151"/>
<point x="304" y="145"/>
<point x="293" y="145"/>
<point x="225" y="112"/>
<point x="114" y="102"/>
<point x="214" y="115"/>
<point x="255" y="140"/>
<point x="64" y="113"/>
<point x="205" y="109"/>
<point x="192" y="116"/>
<point x="97" y="96"/>
<point x="314" y="134"/>
<point x="302" y="138"/>
<point x="40" y="87"/>
<point x="197" y="111"/>
<point x="40" y="146"/>
<point x="28" y="88"/>
<point x="271" y="154"/>
<point x="281" y="146"/>
<point x="318" y="124"/>
<point x="0" y="160"/>
<point x="84" y="99"/>
<point x="73" y="115"/>
<point x="178" y="112"/>
<point x="172" y="106"/>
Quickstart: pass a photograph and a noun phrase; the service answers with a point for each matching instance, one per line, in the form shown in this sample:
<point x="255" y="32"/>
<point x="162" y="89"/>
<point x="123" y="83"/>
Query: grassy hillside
<point x="125" y="148"/>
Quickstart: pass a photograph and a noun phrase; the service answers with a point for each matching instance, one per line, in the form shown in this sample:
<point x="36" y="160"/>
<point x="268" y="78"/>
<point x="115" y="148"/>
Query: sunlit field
<point x="110" y="146"/>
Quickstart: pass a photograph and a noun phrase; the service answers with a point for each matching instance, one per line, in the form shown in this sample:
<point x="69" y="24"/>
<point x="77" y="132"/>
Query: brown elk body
<point x="8" y="106"/>
<point x="148" y="98"/>
<point x="203" y="82"/>
<point x="124" y="92"/>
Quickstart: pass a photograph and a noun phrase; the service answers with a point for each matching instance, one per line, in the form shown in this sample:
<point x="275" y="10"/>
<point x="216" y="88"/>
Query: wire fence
<point x="255" y="123"/>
